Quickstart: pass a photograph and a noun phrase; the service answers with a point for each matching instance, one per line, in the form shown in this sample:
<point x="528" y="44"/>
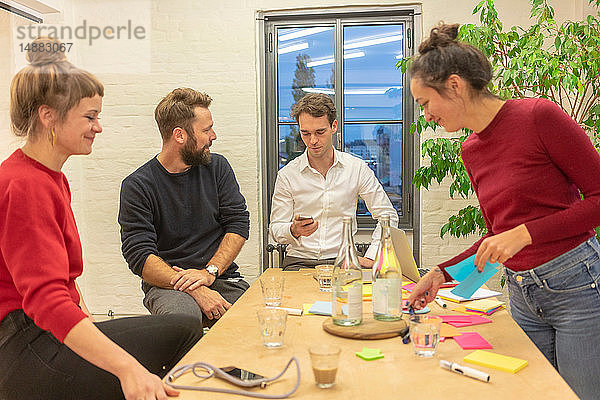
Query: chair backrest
<point x="361" y="249"/>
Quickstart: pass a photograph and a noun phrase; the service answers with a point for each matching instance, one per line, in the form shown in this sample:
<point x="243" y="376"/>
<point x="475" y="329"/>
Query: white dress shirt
<point x="301" y="189"/>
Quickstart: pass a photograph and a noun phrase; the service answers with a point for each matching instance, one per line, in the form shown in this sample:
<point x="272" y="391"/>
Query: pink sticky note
<point x="472" y="340"/>
<point x="460" y="321"/>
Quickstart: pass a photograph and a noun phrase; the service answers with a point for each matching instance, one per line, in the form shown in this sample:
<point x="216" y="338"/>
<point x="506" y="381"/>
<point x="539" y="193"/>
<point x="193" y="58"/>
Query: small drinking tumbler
<point x="324" y="275"/>
<point x="272" y="289"/>
<point x="271" y="322"/>
<point x="324" y="360"/>
<point x="425" y="334"/>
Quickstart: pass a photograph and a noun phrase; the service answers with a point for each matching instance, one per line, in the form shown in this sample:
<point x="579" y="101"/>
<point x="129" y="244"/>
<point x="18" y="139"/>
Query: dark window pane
<point x="290" y="144"/>
<point x="372" y="84"/>
<point x="305" y="63"/>
<point x="381" y="148"/>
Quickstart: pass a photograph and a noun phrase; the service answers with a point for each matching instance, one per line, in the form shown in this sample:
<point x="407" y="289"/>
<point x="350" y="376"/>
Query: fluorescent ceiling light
<point x="294" y="47"/>
<point x="366" y="91"/>
<point x="369" y="91"/>
<point x="373" y="42"/>
<point x="318" y="90"/>
<point x="330" y="60"/>
<point x="304" y="32"/>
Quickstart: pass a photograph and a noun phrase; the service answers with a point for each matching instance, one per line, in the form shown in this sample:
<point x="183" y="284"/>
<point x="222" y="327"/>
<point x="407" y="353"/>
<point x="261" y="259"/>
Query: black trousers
<point x="35" y="365"/>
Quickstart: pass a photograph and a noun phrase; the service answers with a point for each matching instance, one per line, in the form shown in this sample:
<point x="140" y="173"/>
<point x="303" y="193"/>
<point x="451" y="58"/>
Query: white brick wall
<point x="207" y="45"/>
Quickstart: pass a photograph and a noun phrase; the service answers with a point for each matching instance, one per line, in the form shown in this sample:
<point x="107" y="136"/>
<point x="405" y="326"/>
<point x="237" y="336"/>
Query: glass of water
<point x="425" y="334"/>
<point x="271" y="322"/>
<point x="272" y="289"/>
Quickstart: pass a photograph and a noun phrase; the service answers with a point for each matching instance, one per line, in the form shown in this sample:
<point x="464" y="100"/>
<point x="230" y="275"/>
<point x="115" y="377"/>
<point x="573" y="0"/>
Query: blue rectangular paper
<point x="470" y="279"/>
<point x="324" y="308"/>
<point x="462" y="269"/>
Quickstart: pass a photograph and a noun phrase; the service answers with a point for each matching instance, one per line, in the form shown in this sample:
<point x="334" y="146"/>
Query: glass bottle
<point x="347" y="290"/>
<point x="387" y="278"/>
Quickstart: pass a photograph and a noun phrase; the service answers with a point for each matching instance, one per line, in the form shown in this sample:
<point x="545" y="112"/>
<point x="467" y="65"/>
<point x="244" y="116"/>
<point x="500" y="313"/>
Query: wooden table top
<point x="235" y="340"/>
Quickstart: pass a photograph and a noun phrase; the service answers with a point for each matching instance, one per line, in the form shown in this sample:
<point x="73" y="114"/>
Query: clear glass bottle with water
<point x="347" y="281"/>
<point x="387" y="278"/>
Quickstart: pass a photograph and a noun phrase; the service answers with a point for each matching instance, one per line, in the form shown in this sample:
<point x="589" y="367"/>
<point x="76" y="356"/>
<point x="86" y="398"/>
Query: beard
<point x="193" y="157"/>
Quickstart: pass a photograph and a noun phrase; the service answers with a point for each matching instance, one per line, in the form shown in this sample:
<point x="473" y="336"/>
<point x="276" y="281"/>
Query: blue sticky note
<point x="470" y="279"/>
<point x="461" y="270"/>
<point x="321" y="308"/>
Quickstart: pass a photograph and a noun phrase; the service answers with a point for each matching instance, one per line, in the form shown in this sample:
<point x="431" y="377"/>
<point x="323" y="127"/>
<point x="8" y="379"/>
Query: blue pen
<point x="405" y="335"/>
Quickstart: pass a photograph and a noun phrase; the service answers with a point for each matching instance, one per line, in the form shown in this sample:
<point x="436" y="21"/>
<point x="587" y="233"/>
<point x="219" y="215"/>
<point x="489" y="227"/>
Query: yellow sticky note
<point x="305" y="308"/>
<point x="484" y="305"/>
<point x="464" y="310"/>
<point x="497" y="361"/>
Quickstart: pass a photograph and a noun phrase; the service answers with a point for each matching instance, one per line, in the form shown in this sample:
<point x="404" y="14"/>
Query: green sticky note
<point x="368" y="354"/>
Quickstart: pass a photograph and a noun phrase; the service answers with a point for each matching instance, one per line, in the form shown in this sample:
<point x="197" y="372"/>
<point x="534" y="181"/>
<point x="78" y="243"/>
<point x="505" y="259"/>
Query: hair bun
<point x="45" y="50"/>
<point x="441" y="35"/>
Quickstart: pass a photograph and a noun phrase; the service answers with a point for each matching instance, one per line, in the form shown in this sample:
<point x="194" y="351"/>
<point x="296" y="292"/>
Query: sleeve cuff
<point x="371" y="251"/>
<point x="292" y="238"/>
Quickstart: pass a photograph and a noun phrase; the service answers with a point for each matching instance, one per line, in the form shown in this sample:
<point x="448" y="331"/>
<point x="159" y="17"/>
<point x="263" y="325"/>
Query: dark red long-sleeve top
<point x="40" y="250"/>
<point x="529" y="166"/>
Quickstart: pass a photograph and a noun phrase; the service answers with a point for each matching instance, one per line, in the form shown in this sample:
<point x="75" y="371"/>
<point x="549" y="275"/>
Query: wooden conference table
<point x="235" y="340"/>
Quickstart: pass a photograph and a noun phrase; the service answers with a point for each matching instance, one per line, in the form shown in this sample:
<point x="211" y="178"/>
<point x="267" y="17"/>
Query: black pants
<point x="291" y="263"/>
<point x="35" y="365"/>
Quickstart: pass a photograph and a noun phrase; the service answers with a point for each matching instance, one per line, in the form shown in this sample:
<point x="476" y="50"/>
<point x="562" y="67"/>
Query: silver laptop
<point x="404" y="256"/>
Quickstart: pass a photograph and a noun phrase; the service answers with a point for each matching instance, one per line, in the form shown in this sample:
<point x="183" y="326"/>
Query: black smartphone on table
<point x="241" y="374"/>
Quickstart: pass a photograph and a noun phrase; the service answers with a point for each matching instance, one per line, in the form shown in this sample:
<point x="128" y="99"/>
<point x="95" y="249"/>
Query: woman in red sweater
<point x="49" y="346"/>
<point x="528" y="163"/>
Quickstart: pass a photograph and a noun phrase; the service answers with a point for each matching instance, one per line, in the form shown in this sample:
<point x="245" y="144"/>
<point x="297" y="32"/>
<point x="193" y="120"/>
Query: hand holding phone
<point x="303" y="225"/>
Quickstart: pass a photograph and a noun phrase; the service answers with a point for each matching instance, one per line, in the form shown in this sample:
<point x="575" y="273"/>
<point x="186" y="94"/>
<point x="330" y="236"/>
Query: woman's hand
<point x="501" y="247"/>
<point x="137" y="383"/>
<point x="426" y="289"/>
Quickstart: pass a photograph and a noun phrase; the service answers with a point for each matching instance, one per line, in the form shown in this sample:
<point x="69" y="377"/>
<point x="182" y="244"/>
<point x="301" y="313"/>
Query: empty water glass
<point x="271" y="322"/>
<point x="272" y="289"/>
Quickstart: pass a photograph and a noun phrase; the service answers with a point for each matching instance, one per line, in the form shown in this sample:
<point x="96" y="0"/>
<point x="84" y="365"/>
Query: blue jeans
<point x="557" y="304"/>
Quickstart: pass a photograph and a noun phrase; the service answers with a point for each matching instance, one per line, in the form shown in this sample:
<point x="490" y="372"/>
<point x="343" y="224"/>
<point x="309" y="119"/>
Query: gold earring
<point x="52" y="136"/>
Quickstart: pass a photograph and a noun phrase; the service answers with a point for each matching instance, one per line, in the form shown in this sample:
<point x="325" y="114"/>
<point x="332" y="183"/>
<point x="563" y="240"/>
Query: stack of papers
<point x="485" y="306"/>
<point x="464" y="310"/>
<point x="481" y="293"/>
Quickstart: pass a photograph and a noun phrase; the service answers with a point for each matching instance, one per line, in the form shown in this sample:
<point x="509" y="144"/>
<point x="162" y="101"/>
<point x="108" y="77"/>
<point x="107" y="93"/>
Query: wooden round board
<point x="368" y="329"/>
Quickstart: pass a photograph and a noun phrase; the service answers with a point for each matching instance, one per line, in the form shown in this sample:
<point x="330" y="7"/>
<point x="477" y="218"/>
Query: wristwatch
<point x="213" y="270"/>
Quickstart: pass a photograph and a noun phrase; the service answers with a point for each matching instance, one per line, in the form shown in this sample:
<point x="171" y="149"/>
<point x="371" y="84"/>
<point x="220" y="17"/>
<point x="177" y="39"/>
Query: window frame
<point x="269" y="22"/>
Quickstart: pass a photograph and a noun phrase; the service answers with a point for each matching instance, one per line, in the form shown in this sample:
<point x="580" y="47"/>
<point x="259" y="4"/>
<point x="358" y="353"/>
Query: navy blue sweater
<point x="181" y="217"/>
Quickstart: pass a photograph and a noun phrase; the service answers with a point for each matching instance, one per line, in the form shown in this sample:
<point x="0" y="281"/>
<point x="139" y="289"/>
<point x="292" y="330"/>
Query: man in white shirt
<point x="315" y="190"/>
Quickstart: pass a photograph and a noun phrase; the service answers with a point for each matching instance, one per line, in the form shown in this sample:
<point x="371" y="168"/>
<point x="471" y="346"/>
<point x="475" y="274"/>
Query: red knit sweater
<point x="529" y="166"/>
<point x="40" y="251"/>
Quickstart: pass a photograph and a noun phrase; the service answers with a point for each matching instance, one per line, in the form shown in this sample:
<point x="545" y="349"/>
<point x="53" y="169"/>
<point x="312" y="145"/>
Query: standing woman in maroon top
<point x="50" y="348"/>
<point x="530" y="165"/>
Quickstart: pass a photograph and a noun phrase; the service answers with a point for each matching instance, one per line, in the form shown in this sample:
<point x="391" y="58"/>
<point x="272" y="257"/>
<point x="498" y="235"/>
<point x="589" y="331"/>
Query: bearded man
<point x="183" y="219"/>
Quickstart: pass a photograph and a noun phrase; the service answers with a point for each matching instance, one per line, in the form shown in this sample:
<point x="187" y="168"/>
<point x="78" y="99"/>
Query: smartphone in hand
<point x="304" y="217"/>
